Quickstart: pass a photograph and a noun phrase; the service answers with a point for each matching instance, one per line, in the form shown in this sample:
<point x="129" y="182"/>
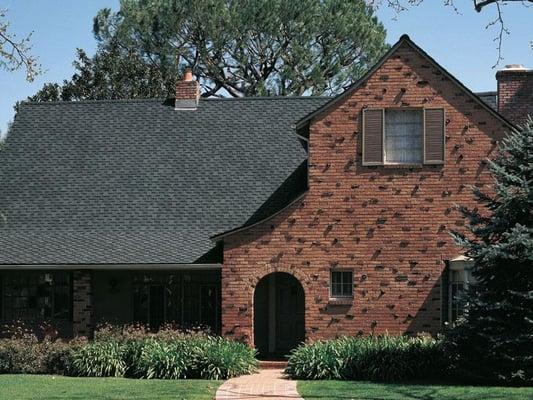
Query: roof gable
<point x="404" y="39"/>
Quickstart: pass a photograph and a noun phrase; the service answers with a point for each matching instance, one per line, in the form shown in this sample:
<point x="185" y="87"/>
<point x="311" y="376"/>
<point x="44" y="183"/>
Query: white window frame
<point x="461" y="266"/>
<point x="340" y="296"/>
<point x="384" y="139"/>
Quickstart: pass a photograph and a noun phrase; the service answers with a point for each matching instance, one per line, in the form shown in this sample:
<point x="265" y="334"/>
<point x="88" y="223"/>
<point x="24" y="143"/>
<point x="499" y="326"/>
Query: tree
<point x="494" y="342"/>
<point x="235" y="48"/>
<point x="478" y="5"/>
<point x="16" y="53"/>
<point x="110" y="74"/>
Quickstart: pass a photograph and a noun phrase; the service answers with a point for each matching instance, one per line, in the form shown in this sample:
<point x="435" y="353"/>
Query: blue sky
<point x="458" y="42"/>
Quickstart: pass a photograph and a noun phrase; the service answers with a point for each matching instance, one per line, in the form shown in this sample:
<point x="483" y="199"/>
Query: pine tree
<point x="495" y="340"/>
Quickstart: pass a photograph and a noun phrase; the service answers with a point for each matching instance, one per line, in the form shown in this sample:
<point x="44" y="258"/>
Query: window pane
<point x="341" y="283"/>
<point x="403" y="136"/>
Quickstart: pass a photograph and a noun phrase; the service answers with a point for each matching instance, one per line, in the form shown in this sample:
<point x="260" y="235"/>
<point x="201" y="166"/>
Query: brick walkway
<point x="267" y="384"/>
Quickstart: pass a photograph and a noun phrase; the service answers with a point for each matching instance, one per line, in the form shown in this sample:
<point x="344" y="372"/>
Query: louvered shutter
<point x="434" y="136"/>
<point x="372" y="136"/>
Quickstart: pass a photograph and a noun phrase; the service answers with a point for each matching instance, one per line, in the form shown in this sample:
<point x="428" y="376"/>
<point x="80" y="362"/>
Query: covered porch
<point x="74" y="300"/>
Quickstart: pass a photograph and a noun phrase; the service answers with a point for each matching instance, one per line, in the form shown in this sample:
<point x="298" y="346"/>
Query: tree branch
<point x="15" y="54"/>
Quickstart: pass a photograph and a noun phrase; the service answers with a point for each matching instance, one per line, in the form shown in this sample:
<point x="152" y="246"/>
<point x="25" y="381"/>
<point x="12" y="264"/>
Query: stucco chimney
<point x="187" y="92"/>
<point x="515" y="92"/>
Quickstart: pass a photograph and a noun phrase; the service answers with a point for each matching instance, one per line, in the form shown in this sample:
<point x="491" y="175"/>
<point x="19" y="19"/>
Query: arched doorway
<point x="279" y="314"/>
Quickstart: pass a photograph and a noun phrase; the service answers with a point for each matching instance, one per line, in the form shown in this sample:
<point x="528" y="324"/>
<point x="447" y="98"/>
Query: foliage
<point x="257" y="47"/>
<point x="127" y="351"/>
<point x="100" y="358"/>
<point x="167" y="354"/>
<point x="224" y="359"/>
<point x="16" y="53"/>
<point x="27" y="354"/>
<point x="375" y="358"/>
<point x="494" y="341"/>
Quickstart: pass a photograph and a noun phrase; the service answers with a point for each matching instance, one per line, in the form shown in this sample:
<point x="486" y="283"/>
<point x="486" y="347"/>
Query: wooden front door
<point x="290" y="312"/>
<point x="279" y="315"/>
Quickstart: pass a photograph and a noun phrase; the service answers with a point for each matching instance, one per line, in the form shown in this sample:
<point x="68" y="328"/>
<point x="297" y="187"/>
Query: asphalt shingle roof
<point x="490" y="98"/>
<point x="135" y="181"/>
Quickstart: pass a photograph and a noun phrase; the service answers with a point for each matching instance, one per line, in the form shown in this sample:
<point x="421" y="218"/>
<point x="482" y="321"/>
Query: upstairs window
<point x="341" y="283"/>
<point x="404" y="136"/>
<point x="408" y="136"/>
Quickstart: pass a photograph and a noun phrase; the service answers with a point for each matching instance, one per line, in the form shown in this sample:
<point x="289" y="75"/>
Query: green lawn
<point x="50" y="387"/>
<point x="340" y="390"/>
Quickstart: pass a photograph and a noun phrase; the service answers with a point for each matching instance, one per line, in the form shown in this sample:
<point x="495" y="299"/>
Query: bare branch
<point x="15" y="53"/>
<point x="478" y="5"/>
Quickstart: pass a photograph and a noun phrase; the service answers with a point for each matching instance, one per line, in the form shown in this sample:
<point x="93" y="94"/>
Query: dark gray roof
<point x="135" y="181"/>
<point x="490" y="98"/>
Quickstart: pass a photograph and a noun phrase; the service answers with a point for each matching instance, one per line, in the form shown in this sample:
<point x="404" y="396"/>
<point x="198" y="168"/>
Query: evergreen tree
<point x="235" y="48"/>
<point x="495" y="340"/>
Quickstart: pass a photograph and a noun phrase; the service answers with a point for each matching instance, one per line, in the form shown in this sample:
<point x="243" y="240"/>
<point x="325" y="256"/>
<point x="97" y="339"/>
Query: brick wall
<point x="82" y="303"/>
<point x="515" y="94"/>
<point x="389" y="224"/>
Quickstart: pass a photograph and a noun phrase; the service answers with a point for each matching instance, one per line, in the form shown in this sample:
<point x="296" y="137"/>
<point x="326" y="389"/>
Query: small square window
<point x="341" y="283"/>
<point x="404" y="136"/>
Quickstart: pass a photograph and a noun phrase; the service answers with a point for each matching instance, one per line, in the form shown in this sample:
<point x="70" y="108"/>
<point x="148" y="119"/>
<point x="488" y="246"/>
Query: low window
<point x="404" y="136"/>
<point x="341" y="283"/>
<point x="36" y="295"/>
<point x="459" y="278"/>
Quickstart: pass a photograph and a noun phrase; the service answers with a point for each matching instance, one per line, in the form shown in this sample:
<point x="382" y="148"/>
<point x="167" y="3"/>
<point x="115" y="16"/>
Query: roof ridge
<point x="162" y="100"/>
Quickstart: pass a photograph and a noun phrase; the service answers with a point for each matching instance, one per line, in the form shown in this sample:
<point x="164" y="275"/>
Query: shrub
<point x="375" y="358"/>
<point x="163" y="360"/>
<point x="99" y="359"/>
<point x="26" y="354"/>
<point x="224" y="359"/>
<point x="167" y="354"/>
<point x="130" y="351"/>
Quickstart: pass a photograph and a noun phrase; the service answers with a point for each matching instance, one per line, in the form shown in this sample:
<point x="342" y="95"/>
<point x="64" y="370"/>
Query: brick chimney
<point x="187" y="92"/>
<point x="515" y="93"/>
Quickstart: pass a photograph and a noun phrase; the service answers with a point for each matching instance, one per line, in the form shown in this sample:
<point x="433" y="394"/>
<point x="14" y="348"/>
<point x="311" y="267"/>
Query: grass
<point x="50" y="387"/>
<point x="340" y="390"/>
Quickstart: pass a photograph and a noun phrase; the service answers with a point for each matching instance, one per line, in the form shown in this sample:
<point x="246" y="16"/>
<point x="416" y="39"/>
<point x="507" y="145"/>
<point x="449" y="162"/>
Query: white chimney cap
<point x="515" y="67"/>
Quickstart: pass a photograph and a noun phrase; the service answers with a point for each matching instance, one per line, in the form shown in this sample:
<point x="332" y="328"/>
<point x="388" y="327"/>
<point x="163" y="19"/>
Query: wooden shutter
<point x="434" y="136"/>
<point x="372" y="136"/>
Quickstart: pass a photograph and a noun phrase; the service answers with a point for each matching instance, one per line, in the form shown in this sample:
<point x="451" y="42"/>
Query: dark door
<point x="279" y="315"/>
<point x="289" y="313"/>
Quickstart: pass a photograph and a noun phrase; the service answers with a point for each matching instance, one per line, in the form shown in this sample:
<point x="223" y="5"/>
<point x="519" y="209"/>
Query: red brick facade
<point x="389" y="224"/>
<point x="82" y="303"/>
<point x="515" y="93"/>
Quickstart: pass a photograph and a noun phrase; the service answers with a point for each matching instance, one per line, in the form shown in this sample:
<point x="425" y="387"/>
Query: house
<point x="269" y="220"/>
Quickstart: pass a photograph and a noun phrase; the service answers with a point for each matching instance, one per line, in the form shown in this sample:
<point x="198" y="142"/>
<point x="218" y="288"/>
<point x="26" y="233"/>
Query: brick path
<point x="267" y="384"/>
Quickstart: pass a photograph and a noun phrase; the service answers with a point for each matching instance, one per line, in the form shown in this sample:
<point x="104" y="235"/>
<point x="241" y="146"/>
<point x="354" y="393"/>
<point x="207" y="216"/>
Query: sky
<point x="459" y="42"/>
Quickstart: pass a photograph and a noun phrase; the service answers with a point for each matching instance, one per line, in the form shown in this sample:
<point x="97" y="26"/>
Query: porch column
<point x="82" y="305"/>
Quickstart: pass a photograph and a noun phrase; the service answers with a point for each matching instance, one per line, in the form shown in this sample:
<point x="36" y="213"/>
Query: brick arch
<point x="265" y="270"/>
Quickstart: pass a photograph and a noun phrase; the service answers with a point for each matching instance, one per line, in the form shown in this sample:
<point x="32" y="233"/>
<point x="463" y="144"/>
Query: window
<point x="187" y="299"/>
<point x="459" y="278"/>
<point x="404" y="136"/>
<point x="36" y="295"/>
<point x="341" y="283"/>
